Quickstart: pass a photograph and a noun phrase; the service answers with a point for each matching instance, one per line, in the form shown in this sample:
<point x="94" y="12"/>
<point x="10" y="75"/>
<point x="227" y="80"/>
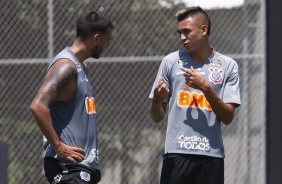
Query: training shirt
<point x="75" y="121"/>
<point x="192" y="126"/>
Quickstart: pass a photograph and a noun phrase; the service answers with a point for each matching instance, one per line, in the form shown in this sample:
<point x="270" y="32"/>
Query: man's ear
<point x="96" y="37"/>
<point x="204" y="29"/>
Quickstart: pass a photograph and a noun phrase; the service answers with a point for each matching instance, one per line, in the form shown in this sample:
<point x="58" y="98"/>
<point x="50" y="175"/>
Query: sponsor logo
<point x="216" y="63"/>
<point x="179" y="72"/>
<point x="183" y="61"/>
<point x="85" y="79"/>
<point x="85" y="176"/>
<point x="216" y="75"/>
<point x="90" y="105"/>
<point x="192" y="99"/>
<point x="95" y="156"/>
<point x="194" y="143"/>
<point x="78" y="67"/>
<point x="57" y="178"/>
<point x="199" y="70"/>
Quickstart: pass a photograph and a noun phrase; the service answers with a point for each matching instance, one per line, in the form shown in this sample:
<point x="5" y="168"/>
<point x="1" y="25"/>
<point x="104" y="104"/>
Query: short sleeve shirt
<point x="193" y="127"/>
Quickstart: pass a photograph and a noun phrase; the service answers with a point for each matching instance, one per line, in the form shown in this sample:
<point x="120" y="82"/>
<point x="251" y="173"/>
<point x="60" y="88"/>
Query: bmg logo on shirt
<point x="90" y="105"/>
<point x="194" y="143"/>
<point x="192" y="99"/>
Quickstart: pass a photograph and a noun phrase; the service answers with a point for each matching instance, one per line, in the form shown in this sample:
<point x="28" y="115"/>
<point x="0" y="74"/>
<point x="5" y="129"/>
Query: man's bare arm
<point x="59" y="76"/>
<point x="157" y="111"/>
<point x="158" y="107"/>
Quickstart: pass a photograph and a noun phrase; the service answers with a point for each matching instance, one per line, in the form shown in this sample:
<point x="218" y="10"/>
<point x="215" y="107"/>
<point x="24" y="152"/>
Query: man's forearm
<point x="157" y="112"/>
<point x="223" y="111"/>
<point x="43" y="119"/>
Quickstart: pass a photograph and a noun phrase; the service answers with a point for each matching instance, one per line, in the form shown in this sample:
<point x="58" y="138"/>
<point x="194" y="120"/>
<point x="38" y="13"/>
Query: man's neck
<point x="202" y="55"/>
<point x="79" y="49"/>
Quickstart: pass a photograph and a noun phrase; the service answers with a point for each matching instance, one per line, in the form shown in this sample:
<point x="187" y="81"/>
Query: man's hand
<point x="223" y="111"/>
<point x="160" y="92"/>
<point x="72" y="154"/>
<point x="158" y="106"/>
<point x="194" y="79"/>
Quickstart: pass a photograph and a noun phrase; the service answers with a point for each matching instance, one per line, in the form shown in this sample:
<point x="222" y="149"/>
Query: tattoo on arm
<point x="58" y="77"/>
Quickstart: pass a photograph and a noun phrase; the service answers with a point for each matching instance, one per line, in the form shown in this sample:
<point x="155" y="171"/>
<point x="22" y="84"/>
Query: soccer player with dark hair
<point x="64" y="107"/>
<point x="200" y="86"/>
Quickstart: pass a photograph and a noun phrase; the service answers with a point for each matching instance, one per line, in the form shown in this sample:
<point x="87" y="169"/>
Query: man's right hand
<point x="73" y="154"/>
<point x="160" y="92"/>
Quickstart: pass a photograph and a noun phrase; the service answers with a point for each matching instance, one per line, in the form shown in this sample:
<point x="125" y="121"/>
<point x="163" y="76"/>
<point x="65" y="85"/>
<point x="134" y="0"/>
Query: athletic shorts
<point x="69" y="173"/>
<point x="192" y="169"/>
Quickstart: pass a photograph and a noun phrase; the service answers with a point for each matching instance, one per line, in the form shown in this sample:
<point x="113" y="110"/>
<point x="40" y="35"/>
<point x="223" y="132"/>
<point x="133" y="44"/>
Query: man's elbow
<point x="32" y="107"/>
<point x="228" y="121"/>
<point x="156" y="120"/>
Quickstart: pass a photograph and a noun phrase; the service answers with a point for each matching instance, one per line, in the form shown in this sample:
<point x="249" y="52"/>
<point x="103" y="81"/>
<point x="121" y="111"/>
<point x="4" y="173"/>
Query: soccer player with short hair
<point x="200" y="86"/>
<point x="64" y="107"/>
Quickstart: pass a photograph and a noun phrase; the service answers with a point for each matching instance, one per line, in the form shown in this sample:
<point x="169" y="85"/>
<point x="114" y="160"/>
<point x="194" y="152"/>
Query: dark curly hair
<point x="91" y="22"/>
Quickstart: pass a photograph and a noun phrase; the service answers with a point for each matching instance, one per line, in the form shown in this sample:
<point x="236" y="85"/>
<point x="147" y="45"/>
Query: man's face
<point x="102" y="43"/>
<point x="191" y="31"/>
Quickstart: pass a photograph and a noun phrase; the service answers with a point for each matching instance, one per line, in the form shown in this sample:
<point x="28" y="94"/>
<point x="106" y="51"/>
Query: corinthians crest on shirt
<point x="216" y="75"/>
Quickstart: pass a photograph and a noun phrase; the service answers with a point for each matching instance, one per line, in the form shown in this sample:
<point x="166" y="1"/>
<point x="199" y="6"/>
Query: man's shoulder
<point x="65" y="56"/>
<point x="65" y="53"/>
<point x="176" y="55"/>
<point x="219" y="58"/>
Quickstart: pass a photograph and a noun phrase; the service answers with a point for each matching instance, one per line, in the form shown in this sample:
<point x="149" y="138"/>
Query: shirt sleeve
<point x="232" y="88"/>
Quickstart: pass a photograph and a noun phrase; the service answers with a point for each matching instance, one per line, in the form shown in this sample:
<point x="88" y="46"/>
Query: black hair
<point x="90" y="23"/>
<point x="191" y="12"/>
